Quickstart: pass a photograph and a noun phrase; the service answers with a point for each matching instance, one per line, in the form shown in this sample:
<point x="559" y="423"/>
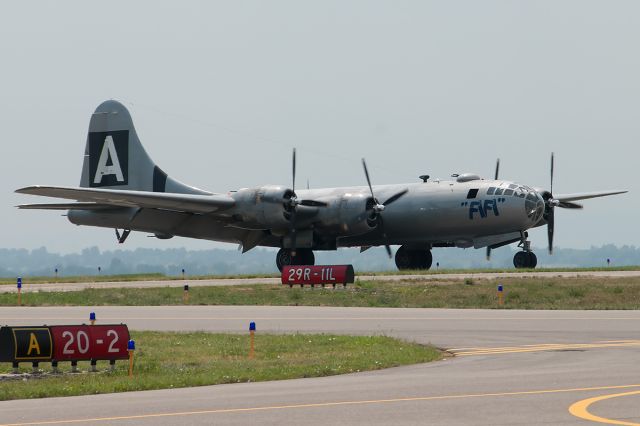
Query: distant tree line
<point x="92" y="261"/>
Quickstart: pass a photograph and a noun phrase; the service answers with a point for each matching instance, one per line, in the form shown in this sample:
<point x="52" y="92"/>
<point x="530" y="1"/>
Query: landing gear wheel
<point x="302" y="257"/>
<point x="422" y="259"/>
<point x="283" y="258"/>
<point x="413" y="259"/>
<point x="403" y="258"/>
<point x="525" y="259"/>
<point x="533" y="260"/>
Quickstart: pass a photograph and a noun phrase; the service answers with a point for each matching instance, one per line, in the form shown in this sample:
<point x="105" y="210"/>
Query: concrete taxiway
<point x="512" y="367"/>
<point x="62" y="286"/>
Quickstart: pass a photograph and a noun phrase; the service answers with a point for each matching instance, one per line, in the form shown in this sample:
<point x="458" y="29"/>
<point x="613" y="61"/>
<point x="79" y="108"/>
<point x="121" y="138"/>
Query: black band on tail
<point x="159" y="180"/>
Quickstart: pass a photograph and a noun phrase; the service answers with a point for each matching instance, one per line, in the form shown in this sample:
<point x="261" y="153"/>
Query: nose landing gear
<point x="525" y="258"/>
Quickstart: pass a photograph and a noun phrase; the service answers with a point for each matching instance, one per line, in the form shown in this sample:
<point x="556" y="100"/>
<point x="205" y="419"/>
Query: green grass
<point x="121" y="278"/>
<point x="174" y="360"/>
<point x="162" y="277"/>
<point x="520" y="293"/>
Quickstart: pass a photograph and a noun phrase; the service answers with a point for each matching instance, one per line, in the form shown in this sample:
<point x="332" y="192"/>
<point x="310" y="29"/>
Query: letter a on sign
<point x="33" y="344"/>
<point x="108" y="151"/>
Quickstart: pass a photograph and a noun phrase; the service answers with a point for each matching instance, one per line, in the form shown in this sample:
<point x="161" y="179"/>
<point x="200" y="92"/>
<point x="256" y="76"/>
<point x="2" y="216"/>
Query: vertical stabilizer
<point x="114" y="158"/>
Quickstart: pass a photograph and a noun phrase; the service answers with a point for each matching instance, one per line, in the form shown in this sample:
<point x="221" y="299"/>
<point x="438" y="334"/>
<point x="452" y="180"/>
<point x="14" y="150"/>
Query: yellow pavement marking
<point x="319" y="405"/>
<point x="580" y="409"/>
<point x="542" y="347"/>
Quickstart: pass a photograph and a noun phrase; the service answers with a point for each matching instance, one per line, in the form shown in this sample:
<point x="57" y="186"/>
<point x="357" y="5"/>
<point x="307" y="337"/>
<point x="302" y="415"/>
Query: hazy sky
<point x="220" y="92"/>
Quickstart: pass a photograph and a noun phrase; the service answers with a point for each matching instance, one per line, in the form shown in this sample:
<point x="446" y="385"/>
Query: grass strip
<point x="173" y="360"/>
<point x="162" y="277"/>
<point x="519" y="293"/>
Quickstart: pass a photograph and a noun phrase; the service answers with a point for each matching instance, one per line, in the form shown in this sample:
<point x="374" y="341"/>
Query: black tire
<point x="521" y="260"/>
<point x="422" y="259"/>
<point x="413" y="259"/>
<point x="533" y="260"/>
<point x="283" y="258"/>
<point x="302" y="257"/>
<point x="306" y="257"/>
<point x="403" y="258"/>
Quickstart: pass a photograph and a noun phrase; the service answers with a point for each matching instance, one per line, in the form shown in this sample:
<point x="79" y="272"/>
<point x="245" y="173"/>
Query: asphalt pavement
<point x="511" y="368"/>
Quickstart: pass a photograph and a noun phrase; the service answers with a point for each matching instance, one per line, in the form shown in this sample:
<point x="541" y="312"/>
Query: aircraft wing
<point x="91" y="198"/>
<point x="65" y="206"/>
<point x="586" y="195"/>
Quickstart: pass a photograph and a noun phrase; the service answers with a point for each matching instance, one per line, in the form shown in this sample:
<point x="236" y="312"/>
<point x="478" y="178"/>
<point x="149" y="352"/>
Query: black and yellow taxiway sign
<point x="25" y="344"/>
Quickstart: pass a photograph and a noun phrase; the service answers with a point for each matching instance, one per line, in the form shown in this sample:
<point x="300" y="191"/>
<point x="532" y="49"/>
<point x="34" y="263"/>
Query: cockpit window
<point x="491" y="190"/>
<point x="472" y="193"/>
<point x="513" y="186"/>
<point x="498" y="191"/>
<point x="508" y="192"/>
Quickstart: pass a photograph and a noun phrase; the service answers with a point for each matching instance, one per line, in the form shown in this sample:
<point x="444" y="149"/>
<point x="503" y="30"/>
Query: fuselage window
<point x="499" y="191"/>
<point x="472" y="193"/>
<point x="491" y="190"/>
<point x="508" y="192"/>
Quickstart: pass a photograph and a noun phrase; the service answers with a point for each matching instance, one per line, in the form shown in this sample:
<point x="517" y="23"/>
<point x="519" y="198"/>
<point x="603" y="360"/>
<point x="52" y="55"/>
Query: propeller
<point x="378" y="208"/>
<point x="292" y="202"/>
<point x="495" y="177"/>
<point x="551" y="214"/>
<point x="551" y="204"/>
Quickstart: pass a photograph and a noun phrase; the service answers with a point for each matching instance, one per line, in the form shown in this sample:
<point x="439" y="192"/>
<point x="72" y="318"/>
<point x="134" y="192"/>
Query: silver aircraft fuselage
<point x="431" y="213"/>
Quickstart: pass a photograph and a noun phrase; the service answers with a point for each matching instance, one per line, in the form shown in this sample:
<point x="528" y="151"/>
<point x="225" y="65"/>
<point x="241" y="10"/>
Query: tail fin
<point x="114" y="158"/>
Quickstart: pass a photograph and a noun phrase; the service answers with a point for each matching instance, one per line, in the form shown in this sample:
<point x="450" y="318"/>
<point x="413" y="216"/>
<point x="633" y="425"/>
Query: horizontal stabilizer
<point x="123" y="198"/>
<point x="65" y="206"/>
<point x="586" y="195"/>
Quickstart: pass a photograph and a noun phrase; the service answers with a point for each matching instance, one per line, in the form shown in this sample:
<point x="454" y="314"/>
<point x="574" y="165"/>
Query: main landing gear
<point x="525" y="258"/>
<point x="302" y="257"/>
<point x="413" y="259"/>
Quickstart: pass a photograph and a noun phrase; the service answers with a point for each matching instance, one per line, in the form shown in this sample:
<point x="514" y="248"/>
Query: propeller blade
<point x="395" y="197"/>
<point x="488" y="253"/>
<point x="293" y="232"/>
<point x="570" y="205"/>
<point x="366" y="173"/>
<point x="497" y="169"/>
<point x="313" y="203"/>
<point x="293" y="187"/>
<point x="388" y="248"/>
<point x="550" y="228"/>
<point x="551" y="189"/>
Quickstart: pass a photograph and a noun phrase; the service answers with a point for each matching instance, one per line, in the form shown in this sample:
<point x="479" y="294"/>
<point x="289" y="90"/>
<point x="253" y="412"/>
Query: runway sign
<point x="87" y="342"/>
<point x="317" y="275"/>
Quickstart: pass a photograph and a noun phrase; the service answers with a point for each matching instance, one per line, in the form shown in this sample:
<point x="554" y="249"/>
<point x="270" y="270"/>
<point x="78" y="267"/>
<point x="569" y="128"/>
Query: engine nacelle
<point x="347" y="215"/>
<point x="263" y="207"/>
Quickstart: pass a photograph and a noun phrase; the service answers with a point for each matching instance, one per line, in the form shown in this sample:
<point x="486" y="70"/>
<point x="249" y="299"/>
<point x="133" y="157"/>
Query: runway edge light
<point x="252" y="331"/>
<point x="131" y="347"/>
<point x="19" y="285"/>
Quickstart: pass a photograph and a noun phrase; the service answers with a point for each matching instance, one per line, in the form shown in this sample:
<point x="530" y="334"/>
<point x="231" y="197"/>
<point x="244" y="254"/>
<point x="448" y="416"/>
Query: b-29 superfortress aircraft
<point x="122" y="188"/>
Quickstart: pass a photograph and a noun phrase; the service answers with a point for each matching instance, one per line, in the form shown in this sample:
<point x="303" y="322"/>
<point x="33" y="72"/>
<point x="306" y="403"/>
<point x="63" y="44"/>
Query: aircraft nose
<point x="534" y="206"/>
